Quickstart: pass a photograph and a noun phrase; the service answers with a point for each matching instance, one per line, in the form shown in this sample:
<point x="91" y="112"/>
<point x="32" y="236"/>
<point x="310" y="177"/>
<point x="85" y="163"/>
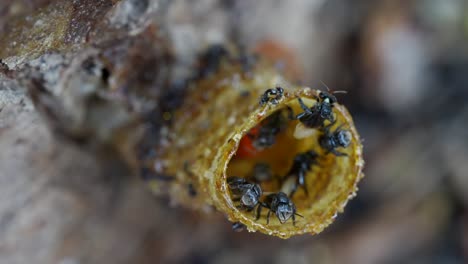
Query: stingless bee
<point x="301" y="165"/>
<point x="280" y="204"/>
<point x="315" y="116"/>
<point x="330" y="141"/>
<point x="272" y="96"/>
<point x="248" y="194"/>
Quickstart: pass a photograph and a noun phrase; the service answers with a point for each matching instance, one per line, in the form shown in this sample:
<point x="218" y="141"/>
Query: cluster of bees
<point x="247" y="193"/>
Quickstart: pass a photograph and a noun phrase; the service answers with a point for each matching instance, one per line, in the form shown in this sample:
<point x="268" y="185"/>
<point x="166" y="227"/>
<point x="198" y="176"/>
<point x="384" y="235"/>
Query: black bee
<point x="247" y="193"/>
<point x="332" y="140"/>
<point x="266" y="134"/>
<point x="301" y="165"/>
<point x="272" y="96"/>
<point x="314" y="116"/>
<point x="262" y="172"/>
<point x="238" y="227"/>
<point x="280" y="204"/>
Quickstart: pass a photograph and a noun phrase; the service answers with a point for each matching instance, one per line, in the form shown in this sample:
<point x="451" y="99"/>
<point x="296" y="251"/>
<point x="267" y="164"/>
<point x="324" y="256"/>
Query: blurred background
<point x="405" y="67"/>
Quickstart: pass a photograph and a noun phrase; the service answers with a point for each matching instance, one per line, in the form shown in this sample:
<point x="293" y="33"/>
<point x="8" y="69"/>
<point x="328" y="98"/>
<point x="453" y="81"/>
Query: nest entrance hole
<point x="271" y="148"/>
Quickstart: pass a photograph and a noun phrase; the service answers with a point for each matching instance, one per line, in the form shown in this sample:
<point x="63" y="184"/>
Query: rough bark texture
<point x="61" y="203"/>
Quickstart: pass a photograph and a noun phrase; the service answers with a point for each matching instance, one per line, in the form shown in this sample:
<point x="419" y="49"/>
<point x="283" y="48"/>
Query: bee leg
<point x="268" y="217"/>
<point x="339" y="154"/>
<point x="290" y="113"/>
<point x="326" y="128"/>
<point x="299" y="116"/>
<point x="301" y="180"/>
<point x="332" y="121"/>
<point x="339" y="127"/>
<point x="303" y="106"/>
<point x="293" y="191"/>
<point x="259" y="210"/>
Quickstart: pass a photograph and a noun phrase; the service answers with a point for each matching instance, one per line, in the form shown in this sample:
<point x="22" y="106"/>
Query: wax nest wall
<point x="230" y="125"/>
